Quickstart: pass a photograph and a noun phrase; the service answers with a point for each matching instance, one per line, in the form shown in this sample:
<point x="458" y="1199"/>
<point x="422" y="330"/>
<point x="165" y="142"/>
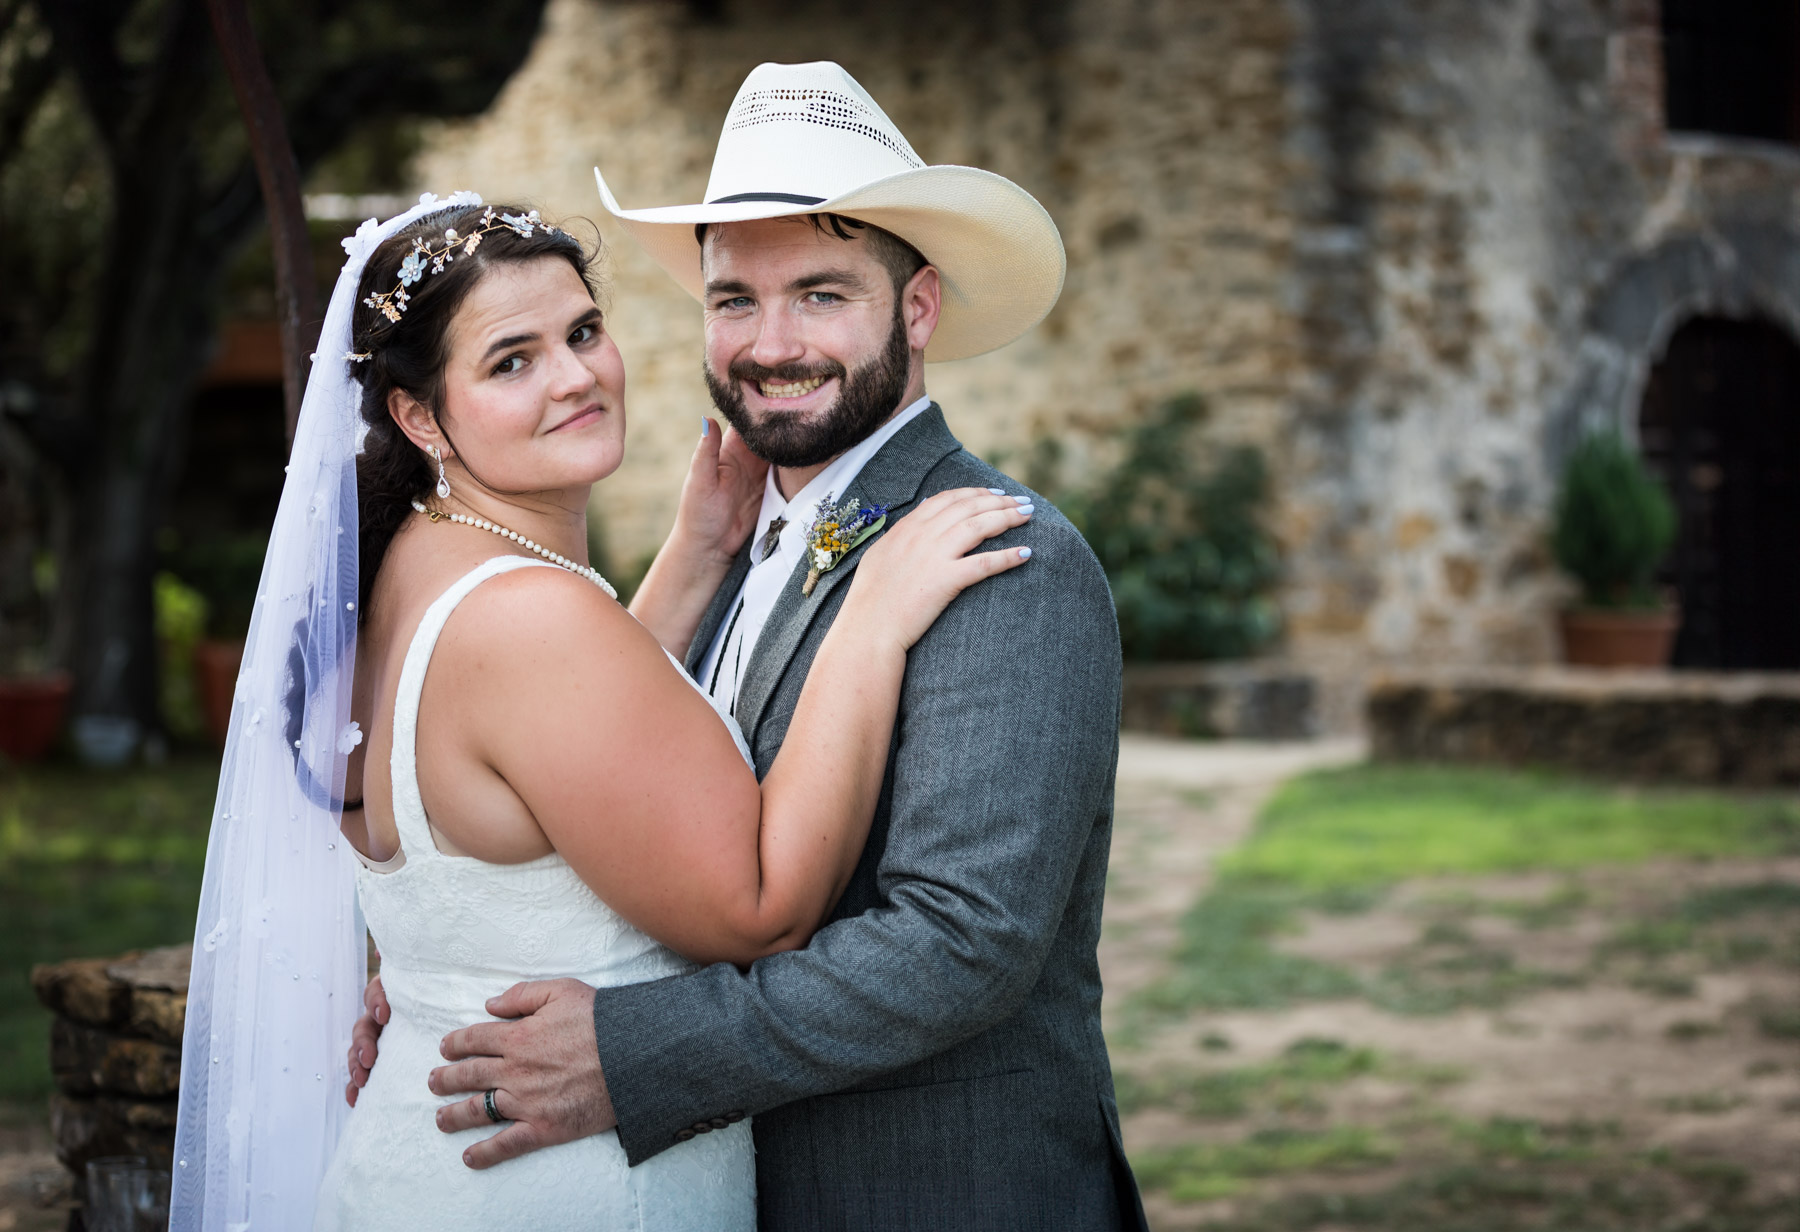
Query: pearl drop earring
<point x="443" y="483"/>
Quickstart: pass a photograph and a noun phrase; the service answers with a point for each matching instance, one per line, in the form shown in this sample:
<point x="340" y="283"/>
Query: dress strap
<point x="403" y="763"/>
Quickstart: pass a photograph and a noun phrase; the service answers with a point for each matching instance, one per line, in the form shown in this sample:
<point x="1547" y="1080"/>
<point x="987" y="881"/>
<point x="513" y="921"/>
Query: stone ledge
<point x="1731" y="729"/>
<point x="115" y="1052"/>
<point x="1241" y="701"/>
<point x="142" y="993"/>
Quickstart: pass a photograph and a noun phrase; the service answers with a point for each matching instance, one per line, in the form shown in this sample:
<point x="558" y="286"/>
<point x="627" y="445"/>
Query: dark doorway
<point x="1721" y="425"/>
<point x="1730" y="66"/>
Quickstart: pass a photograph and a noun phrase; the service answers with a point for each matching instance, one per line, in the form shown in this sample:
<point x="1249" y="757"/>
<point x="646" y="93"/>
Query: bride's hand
<point x="721" y="495"/>
<point x="910" y="574"/>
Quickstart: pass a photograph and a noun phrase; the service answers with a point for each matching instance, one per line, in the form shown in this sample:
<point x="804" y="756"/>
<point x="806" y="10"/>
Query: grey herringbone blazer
<point x="933" y="1059"/>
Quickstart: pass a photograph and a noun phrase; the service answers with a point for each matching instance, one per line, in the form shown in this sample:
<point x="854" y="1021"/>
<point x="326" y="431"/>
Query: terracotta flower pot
<point x="215" y="680"/>
<point x="31" y="714"/>
<point x="1605" y="637"/>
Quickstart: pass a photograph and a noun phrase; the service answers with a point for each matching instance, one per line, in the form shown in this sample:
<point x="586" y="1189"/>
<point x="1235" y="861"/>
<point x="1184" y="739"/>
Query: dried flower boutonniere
<point x="834" y="533"/>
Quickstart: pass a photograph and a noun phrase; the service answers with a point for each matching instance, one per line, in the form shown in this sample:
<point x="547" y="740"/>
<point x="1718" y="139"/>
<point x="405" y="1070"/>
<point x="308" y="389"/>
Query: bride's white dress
<point x="454" y="931"/>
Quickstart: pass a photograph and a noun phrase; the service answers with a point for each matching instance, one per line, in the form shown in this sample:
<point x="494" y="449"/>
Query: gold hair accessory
<point x="391" y="304"/>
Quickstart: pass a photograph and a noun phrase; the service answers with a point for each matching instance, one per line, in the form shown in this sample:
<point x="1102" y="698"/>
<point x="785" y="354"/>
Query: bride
<point x="529" y="784"/>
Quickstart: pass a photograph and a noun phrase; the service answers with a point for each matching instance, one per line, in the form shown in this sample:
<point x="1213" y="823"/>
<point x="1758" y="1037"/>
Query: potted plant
<point x="1614" y="525"/>
<point x="34" y="697"/>
<point x="225" y="572"/>
<point x="32" y="708"/>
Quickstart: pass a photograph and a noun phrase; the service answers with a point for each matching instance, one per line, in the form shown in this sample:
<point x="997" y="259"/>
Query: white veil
<point x="279" y="944"/>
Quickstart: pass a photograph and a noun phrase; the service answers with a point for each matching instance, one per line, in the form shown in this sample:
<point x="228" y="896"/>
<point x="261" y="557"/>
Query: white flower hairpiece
<point x="432" y="257"/>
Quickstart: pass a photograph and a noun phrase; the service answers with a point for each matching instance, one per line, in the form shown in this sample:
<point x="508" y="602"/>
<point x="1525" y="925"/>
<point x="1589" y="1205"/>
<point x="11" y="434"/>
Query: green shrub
<point x="224" y="571"/>
<point x="1614" y="523"/>
<point x="1190" y="562"/>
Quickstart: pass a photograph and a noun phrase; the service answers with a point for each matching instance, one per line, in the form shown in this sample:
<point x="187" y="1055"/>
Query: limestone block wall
<point x="1151" y="130"/>
<point x="1465" y="179"/>
<point x="1410" y="247"/>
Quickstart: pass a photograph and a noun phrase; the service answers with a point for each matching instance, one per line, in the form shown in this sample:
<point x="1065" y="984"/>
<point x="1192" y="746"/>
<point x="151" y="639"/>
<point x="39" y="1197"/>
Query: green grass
<point x="91" y="864"/>
<point x="1499" y="1175"/>
<point x="1290" y="1083"/>
<point x="1374" y="824"/>
<point x="1613" y="1195"/>
<point x="1199" y="1171"/>
<point x="1336" y="840"/>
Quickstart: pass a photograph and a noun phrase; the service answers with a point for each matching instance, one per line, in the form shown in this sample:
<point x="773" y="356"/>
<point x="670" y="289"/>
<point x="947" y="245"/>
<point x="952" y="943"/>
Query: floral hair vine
<point x="432" y="257"/>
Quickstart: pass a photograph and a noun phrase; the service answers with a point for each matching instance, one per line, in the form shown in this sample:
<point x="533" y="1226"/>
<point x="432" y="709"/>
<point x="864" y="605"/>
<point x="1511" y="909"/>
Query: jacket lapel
<point x="890" y="478"/>
<point x="718" y="610"/>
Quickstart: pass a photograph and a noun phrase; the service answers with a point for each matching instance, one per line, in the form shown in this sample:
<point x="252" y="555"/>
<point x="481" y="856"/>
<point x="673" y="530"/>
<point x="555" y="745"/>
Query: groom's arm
<point x="1004" y="755"/>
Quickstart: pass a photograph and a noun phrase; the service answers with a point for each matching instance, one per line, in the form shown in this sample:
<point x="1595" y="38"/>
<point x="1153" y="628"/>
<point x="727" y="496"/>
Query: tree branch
<point x="279" y="177"/>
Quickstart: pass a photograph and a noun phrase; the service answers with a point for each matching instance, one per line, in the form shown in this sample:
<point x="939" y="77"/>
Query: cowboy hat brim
<point x="998" y="254"/>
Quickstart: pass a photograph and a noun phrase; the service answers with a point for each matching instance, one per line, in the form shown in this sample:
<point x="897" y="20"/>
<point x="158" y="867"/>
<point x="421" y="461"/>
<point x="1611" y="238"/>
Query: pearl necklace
<point x="592" y="575"/>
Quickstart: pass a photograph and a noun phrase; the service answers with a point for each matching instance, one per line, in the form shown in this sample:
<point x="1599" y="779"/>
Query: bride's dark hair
<point x="410" y="354"/>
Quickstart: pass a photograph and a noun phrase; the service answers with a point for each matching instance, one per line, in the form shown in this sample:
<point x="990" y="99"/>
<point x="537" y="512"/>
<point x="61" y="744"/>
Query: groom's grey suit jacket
<point x="933" y="1059"/>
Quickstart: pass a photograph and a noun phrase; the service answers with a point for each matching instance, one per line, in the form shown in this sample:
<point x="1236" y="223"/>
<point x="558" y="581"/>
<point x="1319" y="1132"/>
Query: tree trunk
<point x="150" y="346"/>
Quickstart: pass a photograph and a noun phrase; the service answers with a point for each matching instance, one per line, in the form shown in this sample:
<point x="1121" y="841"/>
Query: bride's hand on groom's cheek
<point x="542" y="1068"/>
<point x="721" y="495"/>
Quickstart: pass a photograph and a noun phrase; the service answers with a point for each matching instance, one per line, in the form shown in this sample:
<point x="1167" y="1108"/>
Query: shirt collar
<point x="832" y="481"/>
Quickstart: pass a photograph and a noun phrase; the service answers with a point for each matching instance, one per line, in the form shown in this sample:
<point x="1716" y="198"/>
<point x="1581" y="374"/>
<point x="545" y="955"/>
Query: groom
<point x="933" y="1058"/>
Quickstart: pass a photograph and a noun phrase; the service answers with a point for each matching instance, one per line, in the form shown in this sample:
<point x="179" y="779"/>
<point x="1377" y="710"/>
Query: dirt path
<point x="34" y="1188"/>
<point x="1181" y="803"/>
<point x="1600" y="1033"/>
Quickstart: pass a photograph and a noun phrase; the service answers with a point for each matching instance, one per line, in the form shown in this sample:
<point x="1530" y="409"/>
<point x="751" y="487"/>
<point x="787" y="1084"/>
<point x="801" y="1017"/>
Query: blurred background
<point x="1427" y="378"/>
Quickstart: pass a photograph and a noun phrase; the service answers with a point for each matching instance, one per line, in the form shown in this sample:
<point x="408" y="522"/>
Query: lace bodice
<point x="452" y="932"/>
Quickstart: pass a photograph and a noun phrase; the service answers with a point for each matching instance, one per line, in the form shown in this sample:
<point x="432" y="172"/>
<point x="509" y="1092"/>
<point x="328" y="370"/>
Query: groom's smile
<point x="806" y="349"/>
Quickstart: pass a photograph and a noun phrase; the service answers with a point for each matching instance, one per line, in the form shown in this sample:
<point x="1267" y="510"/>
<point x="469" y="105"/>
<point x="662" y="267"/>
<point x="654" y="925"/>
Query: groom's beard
<point x="866" y="398"/>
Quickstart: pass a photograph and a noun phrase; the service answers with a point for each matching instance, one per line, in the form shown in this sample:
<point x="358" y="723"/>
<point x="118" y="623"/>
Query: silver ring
<point x="493" y="1112"/>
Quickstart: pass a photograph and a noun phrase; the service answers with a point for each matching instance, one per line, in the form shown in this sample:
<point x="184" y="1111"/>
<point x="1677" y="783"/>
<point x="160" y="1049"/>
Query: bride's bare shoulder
<point x="548" y="611"/>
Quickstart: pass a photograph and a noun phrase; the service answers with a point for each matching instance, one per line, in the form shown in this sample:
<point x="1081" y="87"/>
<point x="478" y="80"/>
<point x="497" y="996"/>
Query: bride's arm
<point x="639" y="786"/>
<point x="719" y="501"/>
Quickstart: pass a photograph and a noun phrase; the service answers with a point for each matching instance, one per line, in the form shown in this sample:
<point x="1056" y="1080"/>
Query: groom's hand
<point x="544" y="1070"/>
<point x="363" y="1037"/>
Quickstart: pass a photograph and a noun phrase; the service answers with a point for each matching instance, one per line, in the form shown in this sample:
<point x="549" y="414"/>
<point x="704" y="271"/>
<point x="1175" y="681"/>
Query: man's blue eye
<point x="825" y="297"/>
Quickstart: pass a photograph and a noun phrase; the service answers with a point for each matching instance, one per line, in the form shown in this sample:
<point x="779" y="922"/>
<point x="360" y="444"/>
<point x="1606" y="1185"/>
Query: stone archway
<point x="1742" y="271"/>
<point x="1720" y="422"/>
<point x="1741" y="278"/>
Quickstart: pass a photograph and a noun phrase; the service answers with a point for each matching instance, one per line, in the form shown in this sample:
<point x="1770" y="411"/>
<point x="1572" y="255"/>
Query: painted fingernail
<point x="705" y="427"/>
<point x="1024" y="500"/>
<point x="1024" y="553"/>
<point x="1026" y="509"/>
<point x="997" y="491"/>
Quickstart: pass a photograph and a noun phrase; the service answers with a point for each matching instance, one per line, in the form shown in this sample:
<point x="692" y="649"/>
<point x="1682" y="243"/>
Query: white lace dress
<point x="454" y="931"/>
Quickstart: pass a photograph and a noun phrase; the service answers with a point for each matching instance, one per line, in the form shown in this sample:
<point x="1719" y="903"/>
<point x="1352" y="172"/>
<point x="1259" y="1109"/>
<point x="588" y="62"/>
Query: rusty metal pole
<point x="279" y="175"/>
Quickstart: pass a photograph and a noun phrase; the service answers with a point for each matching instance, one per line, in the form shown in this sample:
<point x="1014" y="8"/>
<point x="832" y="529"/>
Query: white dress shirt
<point x="721" y="671"/>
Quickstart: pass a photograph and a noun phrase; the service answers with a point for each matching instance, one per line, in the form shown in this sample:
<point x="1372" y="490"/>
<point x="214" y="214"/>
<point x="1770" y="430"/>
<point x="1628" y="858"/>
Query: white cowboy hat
<point x="807" y="139"/>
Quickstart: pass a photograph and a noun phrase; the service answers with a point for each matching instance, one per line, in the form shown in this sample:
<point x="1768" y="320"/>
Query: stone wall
<point x="1151" y="131"/>
<point x="1411" y="247"/>
<point x="1688" y="727"/>
<point x="115" y="1052"/>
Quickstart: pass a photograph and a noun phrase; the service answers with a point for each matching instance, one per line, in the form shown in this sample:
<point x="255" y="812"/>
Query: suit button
<point x="682" y="1135"/>
<point x="732" y="1118"/>
<point x="719" y="1122"/>
<point x="703" y="1127"/>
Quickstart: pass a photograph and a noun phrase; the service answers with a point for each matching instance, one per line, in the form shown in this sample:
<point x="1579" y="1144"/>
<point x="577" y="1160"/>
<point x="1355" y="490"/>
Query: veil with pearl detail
<point x="279" y="946"/>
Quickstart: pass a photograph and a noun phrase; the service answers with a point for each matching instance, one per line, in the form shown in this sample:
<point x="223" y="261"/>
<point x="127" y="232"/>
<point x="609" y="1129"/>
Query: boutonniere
<point x="834" y="533"/>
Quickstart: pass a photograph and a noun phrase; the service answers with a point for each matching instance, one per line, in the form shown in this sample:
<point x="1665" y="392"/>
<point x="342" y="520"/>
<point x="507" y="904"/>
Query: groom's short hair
<point x="899" y="258"/>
